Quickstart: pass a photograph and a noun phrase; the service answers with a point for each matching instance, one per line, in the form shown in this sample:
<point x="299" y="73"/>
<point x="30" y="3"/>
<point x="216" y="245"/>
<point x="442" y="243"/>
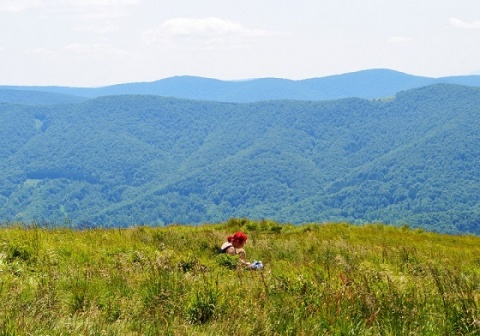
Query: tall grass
<point x="319" y="279"/>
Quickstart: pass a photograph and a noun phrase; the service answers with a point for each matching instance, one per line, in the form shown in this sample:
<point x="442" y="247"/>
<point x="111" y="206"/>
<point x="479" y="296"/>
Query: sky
<point x="92" y="43"/>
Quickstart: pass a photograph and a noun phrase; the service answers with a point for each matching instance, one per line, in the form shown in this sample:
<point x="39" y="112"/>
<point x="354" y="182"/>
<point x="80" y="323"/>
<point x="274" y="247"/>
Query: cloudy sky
<point x="101" y="42"/>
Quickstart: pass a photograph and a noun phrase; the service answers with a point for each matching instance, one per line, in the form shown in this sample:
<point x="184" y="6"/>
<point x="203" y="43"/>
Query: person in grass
<point x="234" y="246"/>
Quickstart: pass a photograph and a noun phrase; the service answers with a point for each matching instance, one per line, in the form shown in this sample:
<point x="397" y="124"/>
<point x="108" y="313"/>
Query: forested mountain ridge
<point x="121" y="160"/>
<point x="369" y="84"/>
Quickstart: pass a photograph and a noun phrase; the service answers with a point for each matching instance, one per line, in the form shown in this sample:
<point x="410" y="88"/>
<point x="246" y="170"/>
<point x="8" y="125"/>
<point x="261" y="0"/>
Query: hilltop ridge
<point x="368" y="84"/>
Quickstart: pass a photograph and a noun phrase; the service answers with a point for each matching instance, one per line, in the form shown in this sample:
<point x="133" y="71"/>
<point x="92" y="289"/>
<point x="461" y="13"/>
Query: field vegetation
<point x="319" y="279"/>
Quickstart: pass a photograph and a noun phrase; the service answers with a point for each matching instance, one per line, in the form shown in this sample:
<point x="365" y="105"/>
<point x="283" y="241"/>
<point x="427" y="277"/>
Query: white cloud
<point x="16" y="6"/>
<point x="41" y="52"/>
<point x="103" y="28"/>
<point x="96" y="9"/>
<point x="102" y="2"/>
<point x="464" y="25"/>
<point x="209" y="28"/>
<point x="400" y="39"/>
<point x="89" y="9"/>
<point x="94" y="51"/>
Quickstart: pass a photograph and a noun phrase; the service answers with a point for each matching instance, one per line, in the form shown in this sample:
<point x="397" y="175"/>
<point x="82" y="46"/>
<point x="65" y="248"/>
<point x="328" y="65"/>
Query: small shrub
<point x="202" y="305"/>
<point x="237" y="223"/>
<point x="227" y="260"/>
<point x="252" y="226"/>
<point x="79" y="297"/>
<point x="188" y="264"/>
<point x="276" y="228"/>
<point x="21" y="252"/>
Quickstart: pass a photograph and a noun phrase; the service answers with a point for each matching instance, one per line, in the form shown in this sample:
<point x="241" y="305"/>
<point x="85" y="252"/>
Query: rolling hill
<point x="368" y="84"/>
<point x="37" y="97"/>
<point x="143" y="159"/>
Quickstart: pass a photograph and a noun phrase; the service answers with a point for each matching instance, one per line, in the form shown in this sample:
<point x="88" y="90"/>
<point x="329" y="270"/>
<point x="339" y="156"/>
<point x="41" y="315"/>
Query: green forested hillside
<point x="121" y="160"/>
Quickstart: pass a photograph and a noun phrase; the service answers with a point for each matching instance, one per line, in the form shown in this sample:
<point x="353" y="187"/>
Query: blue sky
<point x="102" y="42"/>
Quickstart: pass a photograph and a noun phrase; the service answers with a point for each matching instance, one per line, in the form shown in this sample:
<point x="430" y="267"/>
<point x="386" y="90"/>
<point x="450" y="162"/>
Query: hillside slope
<point x="317" y="279"/>
<point x="129" y="159"/>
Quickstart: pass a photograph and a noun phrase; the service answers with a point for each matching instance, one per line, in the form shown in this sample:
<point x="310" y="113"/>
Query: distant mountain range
<point x="412" y="158"/>
<point x="368" y="84"/>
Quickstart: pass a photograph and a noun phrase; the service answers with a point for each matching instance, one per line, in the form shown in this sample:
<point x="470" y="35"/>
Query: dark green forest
<point x="142" y="159"/>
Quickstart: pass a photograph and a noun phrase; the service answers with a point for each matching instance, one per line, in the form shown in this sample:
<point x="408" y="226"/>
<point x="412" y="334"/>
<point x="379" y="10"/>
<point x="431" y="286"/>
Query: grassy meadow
<point x="319" y="279"/>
